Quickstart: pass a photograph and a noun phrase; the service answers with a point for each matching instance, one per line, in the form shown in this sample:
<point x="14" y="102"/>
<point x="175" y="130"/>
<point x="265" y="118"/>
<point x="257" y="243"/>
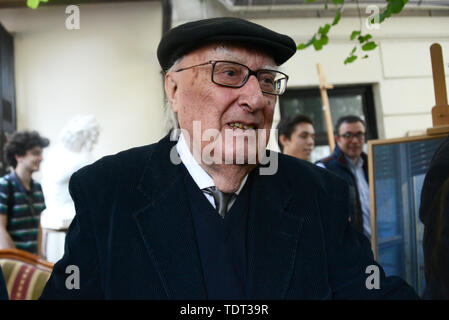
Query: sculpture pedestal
<point x="53" y="241"/>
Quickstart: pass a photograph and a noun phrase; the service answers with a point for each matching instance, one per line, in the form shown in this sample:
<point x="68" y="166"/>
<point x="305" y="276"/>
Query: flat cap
<point x="189" y="36"/>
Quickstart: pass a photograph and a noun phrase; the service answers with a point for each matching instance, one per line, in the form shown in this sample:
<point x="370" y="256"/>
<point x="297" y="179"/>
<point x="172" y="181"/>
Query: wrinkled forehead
<point x="251" y="56"/>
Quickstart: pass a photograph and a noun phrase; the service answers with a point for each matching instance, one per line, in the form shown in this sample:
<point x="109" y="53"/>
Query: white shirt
<point x="363" y="188"/>
<point x="199" y="175"/>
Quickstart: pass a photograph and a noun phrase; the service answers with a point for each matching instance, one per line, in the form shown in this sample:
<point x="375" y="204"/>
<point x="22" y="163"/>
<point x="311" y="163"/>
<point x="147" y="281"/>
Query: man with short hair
<point x="296" y="136"/>
<point x="350" y="162"/>
<point x="21" y="197"/>
<point x="201" y="214"/>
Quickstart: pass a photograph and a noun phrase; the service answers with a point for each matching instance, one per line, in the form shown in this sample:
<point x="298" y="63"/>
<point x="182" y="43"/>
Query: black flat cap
<point x="189" y="36"/>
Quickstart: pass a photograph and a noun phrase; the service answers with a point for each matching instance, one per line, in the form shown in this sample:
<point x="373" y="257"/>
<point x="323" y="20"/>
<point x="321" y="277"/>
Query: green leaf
<point x="369" y="46"/>
<point x="324" y="30"/>
<point x="337" y="17"/>
<point x="354" y="34"/>
<point x="302" y="46"/>
<point x="396" y="5"/>
<point x="317" y="45"/>
<point x="385" y="14"/>
<point x="350" y="59"/>
<point x="353" y="50"/>
<point x="33" y="4"/>
<point x="324" y="40"/>
<point x="306" y="1"/>
<point x="338" y="1"/>
<point x="365" y="56"/>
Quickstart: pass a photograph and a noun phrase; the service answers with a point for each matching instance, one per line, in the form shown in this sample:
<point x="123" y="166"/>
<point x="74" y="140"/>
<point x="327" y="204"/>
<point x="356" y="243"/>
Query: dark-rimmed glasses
<point x="235" y="75"/>
<point x="349" y="135"/>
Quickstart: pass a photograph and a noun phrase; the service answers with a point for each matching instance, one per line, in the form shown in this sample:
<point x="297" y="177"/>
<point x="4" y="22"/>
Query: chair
<point x="25" y="274"/>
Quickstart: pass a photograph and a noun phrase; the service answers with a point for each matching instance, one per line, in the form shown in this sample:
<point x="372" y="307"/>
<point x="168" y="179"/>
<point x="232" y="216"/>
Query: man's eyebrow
<point x="271" y="67"/>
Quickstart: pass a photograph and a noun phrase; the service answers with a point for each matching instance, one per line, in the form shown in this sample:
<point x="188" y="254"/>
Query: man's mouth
<point x="239" y="125"/>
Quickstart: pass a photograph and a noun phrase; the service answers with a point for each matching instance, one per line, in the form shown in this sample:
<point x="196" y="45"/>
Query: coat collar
<point x="166" y="227"/>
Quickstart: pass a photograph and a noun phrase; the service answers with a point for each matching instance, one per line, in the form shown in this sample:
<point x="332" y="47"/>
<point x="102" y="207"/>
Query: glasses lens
<point x="349" y="135"/>
<point x="271" y="81"/>
<point x="229" y="74"/>
<point x="235" y="75"/>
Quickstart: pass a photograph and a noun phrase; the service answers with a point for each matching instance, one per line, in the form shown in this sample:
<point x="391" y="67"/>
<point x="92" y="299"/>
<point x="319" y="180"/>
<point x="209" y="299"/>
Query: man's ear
<point x="171" y="88"/>
<point x="337" y="139"/>
<point x="17" y="157"/>
<point x="284" y="140"/>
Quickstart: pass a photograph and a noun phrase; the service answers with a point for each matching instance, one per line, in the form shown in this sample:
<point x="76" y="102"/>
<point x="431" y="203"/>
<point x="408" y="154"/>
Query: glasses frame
<point x="250" y="73"/>
<point x="362" y="135"/>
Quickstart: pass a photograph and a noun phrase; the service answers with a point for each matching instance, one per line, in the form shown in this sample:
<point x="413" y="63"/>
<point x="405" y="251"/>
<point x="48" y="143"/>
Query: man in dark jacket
<point x="202" y="214"/>
<point x="434" y="213"/>
<point x="350" y="163"/>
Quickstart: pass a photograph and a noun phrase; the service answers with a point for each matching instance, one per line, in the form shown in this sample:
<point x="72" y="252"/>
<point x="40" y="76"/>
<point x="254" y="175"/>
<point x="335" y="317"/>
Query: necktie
<point x="221" y="199"/>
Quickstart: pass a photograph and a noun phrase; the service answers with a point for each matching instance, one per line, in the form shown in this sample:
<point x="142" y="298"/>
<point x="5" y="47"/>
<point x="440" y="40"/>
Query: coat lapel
<point x="166" y="226"/>
<point x="274" y="227"/>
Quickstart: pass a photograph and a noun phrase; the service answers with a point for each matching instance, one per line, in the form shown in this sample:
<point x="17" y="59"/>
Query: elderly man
<point x="198" y="217"/>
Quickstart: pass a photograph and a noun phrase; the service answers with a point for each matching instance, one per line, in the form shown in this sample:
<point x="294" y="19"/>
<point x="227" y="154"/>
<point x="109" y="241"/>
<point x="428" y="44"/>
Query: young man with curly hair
<point x="21" y="198"/>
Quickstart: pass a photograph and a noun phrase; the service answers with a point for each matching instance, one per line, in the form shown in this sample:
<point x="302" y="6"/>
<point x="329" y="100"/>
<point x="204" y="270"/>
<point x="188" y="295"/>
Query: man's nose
<point x="252" y="94"/>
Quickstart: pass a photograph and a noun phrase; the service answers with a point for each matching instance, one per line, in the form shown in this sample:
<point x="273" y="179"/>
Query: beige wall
<point x="107" y="68"/>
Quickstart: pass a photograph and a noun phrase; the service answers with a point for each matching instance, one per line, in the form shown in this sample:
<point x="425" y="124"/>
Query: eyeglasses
<point x="349" y="135"/>
<point x="235" y="75"/>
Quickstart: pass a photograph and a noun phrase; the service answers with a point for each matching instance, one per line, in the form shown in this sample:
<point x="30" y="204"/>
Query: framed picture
<point x="397" y="168"/>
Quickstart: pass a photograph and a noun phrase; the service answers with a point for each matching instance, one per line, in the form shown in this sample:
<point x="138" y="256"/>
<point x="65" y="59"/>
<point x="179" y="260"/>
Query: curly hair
<point x="20" y="142"/>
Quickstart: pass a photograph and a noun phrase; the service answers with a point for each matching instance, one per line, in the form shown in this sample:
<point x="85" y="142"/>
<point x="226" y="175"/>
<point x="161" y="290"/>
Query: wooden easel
<point x="326" y="108"/>
<point x="440" y="112"/>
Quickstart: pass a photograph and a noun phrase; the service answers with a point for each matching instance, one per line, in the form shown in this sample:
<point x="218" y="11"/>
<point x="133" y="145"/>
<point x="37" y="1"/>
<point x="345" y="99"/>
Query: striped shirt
<point x="23" y="219"/>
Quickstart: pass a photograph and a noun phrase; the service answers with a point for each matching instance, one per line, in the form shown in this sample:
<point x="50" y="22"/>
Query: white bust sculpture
<point x="71" y="152"/>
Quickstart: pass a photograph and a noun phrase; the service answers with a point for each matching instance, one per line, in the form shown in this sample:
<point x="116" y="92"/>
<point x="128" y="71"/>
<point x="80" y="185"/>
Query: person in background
<point x="350" y="162"/>
<point x="296" y="136"/>
<point x="21" y="198"/>
<point x="434" y="213"/>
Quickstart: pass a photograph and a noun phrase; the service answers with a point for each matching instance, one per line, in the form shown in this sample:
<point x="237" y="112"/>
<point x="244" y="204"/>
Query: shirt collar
<point x="358" y="163"/>
<point x="199" y="175"/>
<point x="19" y="183"/>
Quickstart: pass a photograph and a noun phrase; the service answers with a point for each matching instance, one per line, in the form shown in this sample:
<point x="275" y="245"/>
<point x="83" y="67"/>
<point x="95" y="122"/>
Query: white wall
<point x="107" y="68"/>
